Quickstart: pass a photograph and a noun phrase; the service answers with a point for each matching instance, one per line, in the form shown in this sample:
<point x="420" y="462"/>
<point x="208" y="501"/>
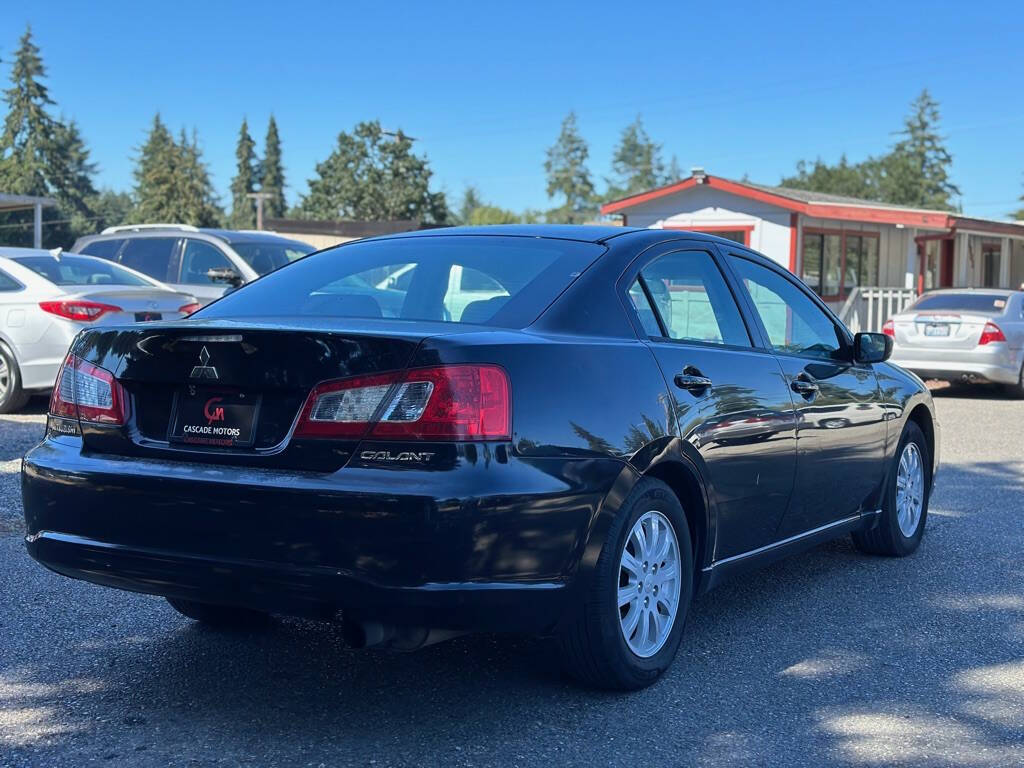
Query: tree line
<point x="374" y="174"/>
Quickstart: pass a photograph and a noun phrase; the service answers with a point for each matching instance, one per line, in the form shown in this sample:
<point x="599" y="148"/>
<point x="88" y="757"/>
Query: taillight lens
<point x="990" y="333"/>
<point x="87" y="392"/>
<point x="188" y="309"/>
<point x="889" y="328"/>
<point x="451" y="402"/>
<point x="82" y="311"/>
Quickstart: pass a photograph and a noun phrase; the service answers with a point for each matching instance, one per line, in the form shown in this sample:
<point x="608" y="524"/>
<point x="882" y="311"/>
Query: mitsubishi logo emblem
<point x="203" y="370"/>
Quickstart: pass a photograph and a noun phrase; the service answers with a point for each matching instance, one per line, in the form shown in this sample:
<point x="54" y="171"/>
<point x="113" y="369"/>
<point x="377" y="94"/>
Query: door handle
<point x="804" y="386"/>
<point x="692" y="380"/>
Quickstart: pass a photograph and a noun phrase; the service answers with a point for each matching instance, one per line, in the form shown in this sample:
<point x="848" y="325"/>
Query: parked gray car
<point x="47" y="297"/>
<point x="203" y="262"/>
<point x="962" y="335"/>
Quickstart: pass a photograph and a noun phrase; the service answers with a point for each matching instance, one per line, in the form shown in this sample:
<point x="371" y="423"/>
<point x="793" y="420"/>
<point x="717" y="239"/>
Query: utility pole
<point x="399" y="135"/>
<point x="259" y="197"/>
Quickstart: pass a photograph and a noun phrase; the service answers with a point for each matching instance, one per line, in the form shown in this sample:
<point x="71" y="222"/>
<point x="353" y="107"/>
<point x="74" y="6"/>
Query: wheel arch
<point x="921" y="416"/>
<point x="685" y="483"/>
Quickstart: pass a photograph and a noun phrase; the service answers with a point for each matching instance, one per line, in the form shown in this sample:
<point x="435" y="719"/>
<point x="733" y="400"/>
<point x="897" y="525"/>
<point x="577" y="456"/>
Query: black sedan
<point x="582" y="431"/>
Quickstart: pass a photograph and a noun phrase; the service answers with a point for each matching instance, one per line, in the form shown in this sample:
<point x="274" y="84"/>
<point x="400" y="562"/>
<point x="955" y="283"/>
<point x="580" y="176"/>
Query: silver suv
<point x="202" y="262"/>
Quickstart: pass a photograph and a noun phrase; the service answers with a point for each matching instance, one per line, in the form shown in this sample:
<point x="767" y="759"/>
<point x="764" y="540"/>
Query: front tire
<point x="628" y="629"/>
<point x="901" y="526"/>
<point x="12" y="396"/>
<point x="219" y="616"/>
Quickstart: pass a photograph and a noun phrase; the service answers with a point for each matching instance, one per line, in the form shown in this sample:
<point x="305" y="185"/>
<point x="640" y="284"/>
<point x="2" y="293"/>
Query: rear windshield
<point x="504" y="281"/>
<point x="993" y="303"/>
<point x="266" y="257"/>
<point x="80" y="270"/>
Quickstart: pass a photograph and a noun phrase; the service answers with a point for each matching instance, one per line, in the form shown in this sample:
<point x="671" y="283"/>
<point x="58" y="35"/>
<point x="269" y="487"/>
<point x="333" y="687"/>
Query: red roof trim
<point x="840" y="211"/>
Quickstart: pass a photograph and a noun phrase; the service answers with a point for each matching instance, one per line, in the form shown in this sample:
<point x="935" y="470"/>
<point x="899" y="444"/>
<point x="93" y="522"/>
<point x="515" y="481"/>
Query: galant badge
<point x="203" y="370"/>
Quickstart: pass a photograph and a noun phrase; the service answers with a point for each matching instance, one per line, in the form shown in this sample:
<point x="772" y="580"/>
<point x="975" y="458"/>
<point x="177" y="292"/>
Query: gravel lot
<point x="827" y="658"/>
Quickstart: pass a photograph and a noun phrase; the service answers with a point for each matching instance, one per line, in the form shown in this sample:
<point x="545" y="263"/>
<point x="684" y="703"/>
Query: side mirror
<point x="872" y="347"/>
<point x="224" y="275"/>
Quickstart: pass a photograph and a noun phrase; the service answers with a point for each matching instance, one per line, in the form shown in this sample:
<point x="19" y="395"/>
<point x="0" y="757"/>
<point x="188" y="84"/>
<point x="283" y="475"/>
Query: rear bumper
<point x="1000" y="366"/>
<point x="374" y="542"/>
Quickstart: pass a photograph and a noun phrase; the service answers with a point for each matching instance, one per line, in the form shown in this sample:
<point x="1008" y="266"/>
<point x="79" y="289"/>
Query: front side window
<point x="68" y="269"/>
<point x="149" y="255"/>
<point x="693" y="300"/>
<point x="198" y="259"/>
<point x="795" y="324"/>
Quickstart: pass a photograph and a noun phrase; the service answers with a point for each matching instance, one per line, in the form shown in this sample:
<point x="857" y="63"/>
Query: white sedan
<point x="47" y="297"/>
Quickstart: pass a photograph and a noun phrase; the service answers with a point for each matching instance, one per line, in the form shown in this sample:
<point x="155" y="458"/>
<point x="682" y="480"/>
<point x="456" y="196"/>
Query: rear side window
<point x="149" y="255"/>
<point x="414" y="278"/>
<point x="8" y="283"/>
<point x="104" y="249"/>
<point x="993" y="303"/>
<point x="692" y="299"/>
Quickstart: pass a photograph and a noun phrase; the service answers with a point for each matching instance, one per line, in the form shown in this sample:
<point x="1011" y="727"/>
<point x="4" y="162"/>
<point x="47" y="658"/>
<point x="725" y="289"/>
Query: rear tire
<point x="900" y="528"/>
<point x="12" y="396"/>
<point x="593" y="645"/>
<point x="1017" y="390"/>
<point x="220" y="616"/>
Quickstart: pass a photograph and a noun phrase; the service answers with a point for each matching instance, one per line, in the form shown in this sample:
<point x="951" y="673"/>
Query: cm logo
<point x="211" y="413"/>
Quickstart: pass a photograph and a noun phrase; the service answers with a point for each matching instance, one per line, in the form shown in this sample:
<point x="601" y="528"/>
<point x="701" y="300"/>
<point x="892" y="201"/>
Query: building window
<point x="834" y="263"/>
<point x="737" y="233"/>
<point x="991" y="262"/>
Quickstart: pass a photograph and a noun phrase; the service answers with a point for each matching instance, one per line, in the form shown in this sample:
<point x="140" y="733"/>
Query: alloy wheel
<point x="909" y="489"/>
<point x="649" y="582"/>
<point x="5" y="378"/>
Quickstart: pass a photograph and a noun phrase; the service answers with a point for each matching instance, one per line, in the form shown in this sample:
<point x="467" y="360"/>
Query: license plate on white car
<point x="936" y="329"/>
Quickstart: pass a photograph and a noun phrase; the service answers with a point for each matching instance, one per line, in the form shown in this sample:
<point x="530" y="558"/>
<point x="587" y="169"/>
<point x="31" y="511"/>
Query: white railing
<point x="868" y="307"/>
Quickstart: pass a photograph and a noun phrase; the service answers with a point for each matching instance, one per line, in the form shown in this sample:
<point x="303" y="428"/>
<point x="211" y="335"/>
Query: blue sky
<point x="735" y="87"/>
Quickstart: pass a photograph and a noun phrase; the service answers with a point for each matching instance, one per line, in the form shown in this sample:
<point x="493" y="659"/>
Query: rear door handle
<point x="692" y="380"/>
<point x="805" y="386"/>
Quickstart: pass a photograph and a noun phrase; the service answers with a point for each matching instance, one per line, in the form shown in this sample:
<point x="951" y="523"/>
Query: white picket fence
<point x="867" y="308"/>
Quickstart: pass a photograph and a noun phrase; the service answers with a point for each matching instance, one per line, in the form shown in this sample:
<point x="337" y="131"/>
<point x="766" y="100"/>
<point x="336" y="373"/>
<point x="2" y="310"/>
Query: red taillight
<point x="86" y="392"/>
<point x="889" y="328"/>
<point x="188" y="309"/>
<point x="451" y="402"/>
<point x="83" y="311"/>
<point x="990" y="333"/>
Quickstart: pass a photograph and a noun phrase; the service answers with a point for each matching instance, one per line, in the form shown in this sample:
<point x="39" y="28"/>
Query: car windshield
<point x="993" y="303"/>
<point x="489" y="280"/>
<point x="80" y="270"/>
<point x="266" y="257"/>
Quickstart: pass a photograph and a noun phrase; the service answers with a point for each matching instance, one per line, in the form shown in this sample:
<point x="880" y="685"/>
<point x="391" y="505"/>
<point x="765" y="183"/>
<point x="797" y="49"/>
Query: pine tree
<point x="675" y="173"/>
<point x="28" y="131"/>
<point x="372" y="177"/>
<point x="1019" y="213"/>
<point x="566" y="168"/>
<point x="470" y="202"/>
<point x="917" y="171"/>
<point x="197" y="199"/>
<point x="272" y="173"/>
<point x="243" y="210"/>
<point x="636" y="162"/>
<point x="156" y="169"/>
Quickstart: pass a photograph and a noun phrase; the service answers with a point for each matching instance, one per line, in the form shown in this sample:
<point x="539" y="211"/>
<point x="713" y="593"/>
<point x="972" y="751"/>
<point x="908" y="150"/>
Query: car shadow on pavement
<point x="830" y="657"/>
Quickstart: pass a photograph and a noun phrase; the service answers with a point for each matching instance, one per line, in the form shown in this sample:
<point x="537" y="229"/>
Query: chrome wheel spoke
<point x="648" y="591"/>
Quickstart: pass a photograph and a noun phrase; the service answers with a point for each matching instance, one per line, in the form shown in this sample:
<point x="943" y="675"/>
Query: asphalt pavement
<point x="828" y="658"/>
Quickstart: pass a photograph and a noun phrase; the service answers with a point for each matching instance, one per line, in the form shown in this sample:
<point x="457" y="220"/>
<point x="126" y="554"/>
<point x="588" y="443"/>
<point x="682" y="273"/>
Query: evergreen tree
<point x="568" y="176"/>
<point x="111" y="209"/>
<point x="243" y="209"/>
<point x="371" y="176"/>
<point x="272" y="173"/>
<point x="197" y="199"/>
<point x="917" y="171"/>
<point x="636" y="162"/>
<point x="156" y="170"/>
<point x="675" y="173"/>
<point x="470" y="202"/>
<point x="852" y="180"/>
<point x="1019" y="213"/>
<point x="28" y="132"/>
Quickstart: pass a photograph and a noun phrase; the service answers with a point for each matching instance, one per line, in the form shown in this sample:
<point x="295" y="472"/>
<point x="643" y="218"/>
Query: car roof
<point x="14" y="254"/>
<point x="227" y="235"/>
<point x="587" y="233"/>
<point x="250" y="236"/>
<point x="939" y="291"/>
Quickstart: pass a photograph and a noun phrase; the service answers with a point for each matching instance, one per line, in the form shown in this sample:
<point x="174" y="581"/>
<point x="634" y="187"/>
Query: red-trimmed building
<point x="866" y="259"/>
